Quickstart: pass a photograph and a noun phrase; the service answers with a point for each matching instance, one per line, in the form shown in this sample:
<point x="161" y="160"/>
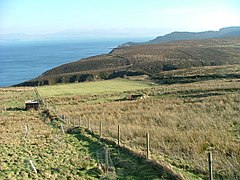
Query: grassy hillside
<point x="145" y="59"/>
<point x="185" y="121"/>
<point x="30" y="136"/>
<point x="196" y="111"/>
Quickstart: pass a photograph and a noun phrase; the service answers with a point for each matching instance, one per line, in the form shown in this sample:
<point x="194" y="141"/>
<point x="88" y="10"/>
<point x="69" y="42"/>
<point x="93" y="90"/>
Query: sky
<point x="132" y="17"/>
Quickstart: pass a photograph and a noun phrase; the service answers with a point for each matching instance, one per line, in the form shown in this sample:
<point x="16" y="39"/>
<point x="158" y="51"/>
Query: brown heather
<point x="148" y="59"/>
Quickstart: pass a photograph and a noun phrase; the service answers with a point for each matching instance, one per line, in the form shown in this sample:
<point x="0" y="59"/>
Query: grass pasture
<point x="185" y="121"/>
<point x="54" y="155"/>
<point x="93" y="88"/>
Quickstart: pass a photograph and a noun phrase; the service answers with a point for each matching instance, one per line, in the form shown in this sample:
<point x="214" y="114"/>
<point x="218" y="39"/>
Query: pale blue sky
<point x="146" y="16"/>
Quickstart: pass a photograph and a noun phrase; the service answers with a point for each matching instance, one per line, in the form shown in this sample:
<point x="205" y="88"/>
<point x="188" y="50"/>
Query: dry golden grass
<point x="184" y="122"/>
<point x="55" y="156"/>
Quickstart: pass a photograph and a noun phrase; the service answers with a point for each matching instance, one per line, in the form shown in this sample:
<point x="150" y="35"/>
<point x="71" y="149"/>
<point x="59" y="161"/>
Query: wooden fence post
<point x="26" y="130"/>
<point x="62" y="129"/>
<point x="210" y="166"/>
<point x="79" y="121"/>
<point x="148" y="146"/>
<point x="106" y="158"/>
<point x="100" y="129"/>
<point x="33" y="167"/>
<point x="118" y="135"/>
<point x="88" y="124"/>
<point x="67" y="120"/>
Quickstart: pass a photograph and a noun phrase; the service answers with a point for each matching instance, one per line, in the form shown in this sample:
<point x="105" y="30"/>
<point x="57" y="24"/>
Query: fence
<point x="100" y="130"/>
<point x="103" y="131"/>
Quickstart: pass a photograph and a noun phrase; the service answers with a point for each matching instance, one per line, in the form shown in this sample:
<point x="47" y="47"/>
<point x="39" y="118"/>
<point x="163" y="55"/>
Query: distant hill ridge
<point x="178" y="36"/>
<point x="147" y="59"/>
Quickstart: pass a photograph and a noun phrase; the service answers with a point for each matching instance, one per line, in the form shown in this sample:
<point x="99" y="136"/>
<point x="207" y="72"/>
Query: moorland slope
<point x="150" y="59"/>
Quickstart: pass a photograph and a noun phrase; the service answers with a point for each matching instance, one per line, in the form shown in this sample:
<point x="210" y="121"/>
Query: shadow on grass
<point x="191" y="79"/>
<point x="200" y="93"/>
<point x="128" y="164"/>
<point x="15" y="109"/>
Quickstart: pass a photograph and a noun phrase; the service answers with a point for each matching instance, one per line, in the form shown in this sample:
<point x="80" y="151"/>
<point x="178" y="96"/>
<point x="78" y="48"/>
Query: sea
<point x="24" y="60"/>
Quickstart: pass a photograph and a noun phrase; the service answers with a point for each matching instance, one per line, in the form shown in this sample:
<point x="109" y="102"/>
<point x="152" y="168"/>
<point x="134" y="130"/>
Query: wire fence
<point x="140" y="142"/>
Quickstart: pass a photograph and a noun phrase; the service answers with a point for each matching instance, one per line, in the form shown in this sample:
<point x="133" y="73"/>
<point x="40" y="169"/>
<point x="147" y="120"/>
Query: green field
<point x="99" y="87"/>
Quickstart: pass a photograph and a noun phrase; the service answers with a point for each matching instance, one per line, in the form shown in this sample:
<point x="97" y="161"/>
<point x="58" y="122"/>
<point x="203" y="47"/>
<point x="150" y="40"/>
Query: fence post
<point x="67" y="120"/>
<point x="88" y="124"/>
<point x="74" y="122"/>
<point x="148" y="146"/>
<point x="62" y="129"/>
<point x="26" y="130"/>
<point x="210" y="166"/>
<point x="118" y="135"/>
<point x="33" y="167"/>
<point x="100" y="129"/>
<point x="79" y="121"/>
<point x="106" y="158"/>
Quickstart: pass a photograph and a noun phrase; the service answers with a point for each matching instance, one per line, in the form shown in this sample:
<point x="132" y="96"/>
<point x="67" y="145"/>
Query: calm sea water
<point x="21" y="61"/>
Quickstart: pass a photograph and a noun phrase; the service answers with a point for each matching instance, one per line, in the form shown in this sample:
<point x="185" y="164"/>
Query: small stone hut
<point x="31" y="104"/>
